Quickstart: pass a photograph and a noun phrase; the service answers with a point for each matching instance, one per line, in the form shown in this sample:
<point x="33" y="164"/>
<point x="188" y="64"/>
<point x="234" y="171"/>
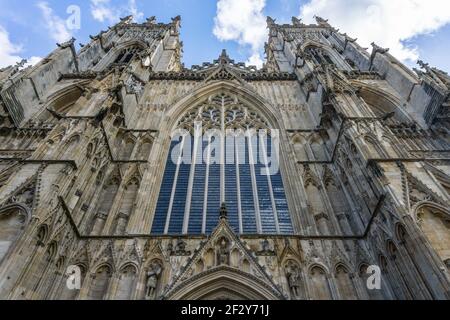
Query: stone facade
<point x="365" y="161"/>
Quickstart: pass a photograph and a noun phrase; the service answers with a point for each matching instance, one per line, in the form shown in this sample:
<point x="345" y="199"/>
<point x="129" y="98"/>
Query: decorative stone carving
<point x="153" y="275"/>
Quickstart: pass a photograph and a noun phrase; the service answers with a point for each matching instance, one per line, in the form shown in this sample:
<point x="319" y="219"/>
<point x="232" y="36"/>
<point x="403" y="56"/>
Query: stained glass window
<point x="192" y="190"/>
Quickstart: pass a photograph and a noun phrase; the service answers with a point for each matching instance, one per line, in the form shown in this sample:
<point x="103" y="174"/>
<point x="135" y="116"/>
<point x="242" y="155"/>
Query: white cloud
<point x="134" y="11"/>
<point x="385" y="22"/>
<point x="33" y="61"/>
<point x="55" y="25"/>
<point x="242" y="21"/>
<point x="9" y="52"/>
<point x="104" y="10"/>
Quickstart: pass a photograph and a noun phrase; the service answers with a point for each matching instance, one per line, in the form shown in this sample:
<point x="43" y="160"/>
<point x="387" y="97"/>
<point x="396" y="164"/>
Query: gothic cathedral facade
<point x="92" y="183"/>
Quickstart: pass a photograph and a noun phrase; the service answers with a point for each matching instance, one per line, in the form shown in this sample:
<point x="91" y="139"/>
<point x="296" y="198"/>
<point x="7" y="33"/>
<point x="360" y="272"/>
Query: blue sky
<point x="412" y="29"/>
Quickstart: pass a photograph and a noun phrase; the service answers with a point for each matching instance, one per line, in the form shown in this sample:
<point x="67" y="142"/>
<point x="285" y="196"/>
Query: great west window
<point x="222" y="152"/>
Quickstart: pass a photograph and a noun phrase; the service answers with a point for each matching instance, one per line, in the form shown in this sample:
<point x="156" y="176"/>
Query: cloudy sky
<point x="412" y="29"/>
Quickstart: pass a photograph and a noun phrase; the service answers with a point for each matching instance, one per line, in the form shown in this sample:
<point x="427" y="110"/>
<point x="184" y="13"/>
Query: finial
<point x="423" y="64"/>
<point x="176" y="19"/>
<point x="296" y="21"/>
<point x="126" y="19"/>
<point x="321" y="21"/>
<point x="66" y="44"/>
<point x="224" y="58"/>
<point x="151" y="20"/>
<point x="270" y="21"/>
<point x="223" y="211"/>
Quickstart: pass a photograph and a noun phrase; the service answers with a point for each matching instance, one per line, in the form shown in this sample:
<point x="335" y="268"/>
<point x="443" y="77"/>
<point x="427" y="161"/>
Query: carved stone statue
<point x="293" y="278"/>
<point x="223" y="252"/>
<point x="153" y="274"/>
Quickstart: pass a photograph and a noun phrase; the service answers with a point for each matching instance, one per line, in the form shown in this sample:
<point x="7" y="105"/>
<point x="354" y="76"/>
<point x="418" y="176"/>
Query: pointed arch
<point x="319" y="285"/>
<point x="69" y="146"/>
<point x="434" y="221"/>
<point x="13" y="219"/>
<point x="382" y="102"/>
<point x="106" y="201"/>
<point x="259" y="111"/>
<point x="344" y="281"/>
<point x="99" y="283"/>
<point x="127" y="204"/>
<point x="128" y="275"/>
<point x="223" y="283"/>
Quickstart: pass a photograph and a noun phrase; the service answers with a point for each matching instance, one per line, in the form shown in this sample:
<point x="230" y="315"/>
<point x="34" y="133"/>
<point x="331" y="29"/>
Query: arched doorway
<point x="224" y="283"/>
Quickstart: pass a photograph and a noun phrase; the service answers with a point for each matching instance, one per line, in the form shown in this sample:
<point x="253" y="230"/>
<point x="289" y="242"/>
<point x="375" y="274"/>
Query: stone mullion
<point x="254" y="184"/>
<point x="191" y="183"/>
<point x="174" y="187"/>
<point x="205" y="198"/>
<point x="269" y="181"/>
<point x="238" y="187"/>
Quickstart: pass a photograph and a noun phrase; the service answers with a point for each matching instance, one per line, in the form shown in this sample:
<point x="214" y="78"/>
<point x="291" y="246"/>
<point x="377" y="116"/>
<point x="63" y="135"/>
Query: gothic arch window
<point x="345" y="285"/>
<point x="381" y="104"/>
<point x="318" y="148"/>
<point x="320" y="287"/>
<point x="69" y="147"/>
<point x="319" y="55"/>
<point x="375" y="151"/>
<point x="435" y="224"/>
<point x="300" y="148"/>
<point x="100" y="283"/>
<point x="127" y="282"/>
<point x="145" y="148"/>
<point x="127" y="148"/>
<point x="127" y="54"/>
<point x="38" y="270"/>
<point x="64" y="102"/>
<point x="69" y="294"/>
<point x="339" y="203"/>
<point x="106" y="201"/>
<point x="127" y="206"/>
<point x="222" y="167"/>
<point x="12" y="223"/>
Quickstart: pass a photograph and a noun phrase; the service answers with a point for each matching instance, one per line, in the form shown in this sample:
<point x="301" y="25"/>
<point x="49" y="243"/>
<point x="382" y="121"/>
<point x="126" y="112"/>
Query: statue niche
<point x="223" y="251"/>
<point x="293" y="276"/>
<point x="153" y="274"/>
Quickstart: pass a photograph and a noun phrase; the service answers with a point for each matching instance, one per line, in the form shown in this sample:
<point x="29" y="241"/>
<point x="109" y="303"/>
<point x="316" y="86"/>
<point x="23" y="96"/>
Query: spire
<point x="224" y="58"/>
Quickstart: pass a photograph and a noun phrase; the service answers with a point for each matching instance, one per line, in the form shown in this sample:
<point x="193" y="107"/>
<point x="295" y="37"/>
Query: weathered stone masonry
<point x="365" y="166"/>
